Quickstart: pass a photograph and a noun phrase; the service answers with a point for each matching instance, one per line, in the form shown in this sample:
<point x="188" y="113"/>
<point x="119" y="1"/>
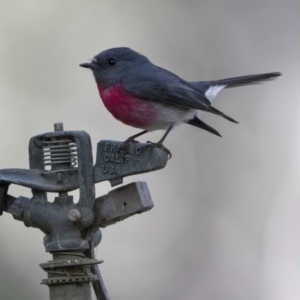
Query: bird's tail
<point x="247" y="80"/>
<point x="211" y="88"/>
<point x="198" y="123"/>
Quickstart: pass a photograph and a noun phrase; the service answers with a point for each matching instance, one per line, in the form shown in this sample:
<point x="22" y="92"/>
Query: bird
<point x="143" y="95"/>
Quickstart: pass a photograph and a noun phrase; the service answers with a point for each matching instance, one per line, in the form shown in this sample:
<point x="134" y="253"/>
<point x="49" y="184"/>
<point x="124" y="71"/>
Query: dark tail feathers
<point x="203" y="86"/>
<point x="246" y="80"/>
<point x="198" y="123"/>
<point x="219" y="113"/>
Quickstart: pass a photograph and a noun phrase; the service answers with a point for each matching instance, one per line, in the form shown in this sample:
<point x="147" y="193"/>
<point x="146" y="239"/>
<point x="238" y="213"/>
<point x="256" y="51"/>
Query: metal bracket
<point x="113" y="163"/>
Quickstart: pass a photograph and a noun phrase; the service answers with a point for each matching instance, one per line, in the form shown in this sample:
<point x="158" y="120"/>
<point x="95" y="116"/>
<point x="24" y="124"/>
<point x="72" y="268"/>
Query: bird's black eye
<point x="111" y="62"/>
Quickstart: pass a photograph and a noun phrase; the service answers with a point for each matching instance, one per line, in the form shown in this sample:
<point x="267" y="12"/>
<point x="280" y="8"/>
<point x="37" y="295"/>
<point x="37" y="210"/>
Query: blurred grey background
<point x="226" y="219"/>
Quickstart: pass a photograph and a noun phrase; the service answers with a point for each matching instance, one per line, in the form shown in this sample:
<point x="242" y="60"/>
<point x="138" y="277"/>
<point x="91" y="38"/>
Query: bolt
<point x="74" y="215"/>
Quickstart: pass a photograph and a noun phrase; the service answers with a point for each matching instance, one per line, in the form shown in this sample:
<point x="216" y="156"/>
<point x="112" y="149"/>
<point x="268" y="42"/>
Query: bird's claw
<point x="161" y="146"/>
<point x="125" y="145"/>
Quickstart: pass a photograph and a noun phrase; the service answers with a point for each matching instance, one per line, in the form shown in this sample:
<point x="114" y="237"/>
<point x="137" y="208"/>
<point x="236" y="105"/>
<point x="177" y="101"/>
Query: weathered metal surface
<point x="41" y="180"/>
<point x="3" y="196"/>
<point x="69" y="276"/>
<point x="64" y="232"/>
<point x="113" y="162"/>
<point x="64" y="156"/>
<point x="98" y="285"/>
<point x="61" y="161"/>
<point x="122" y="203"/>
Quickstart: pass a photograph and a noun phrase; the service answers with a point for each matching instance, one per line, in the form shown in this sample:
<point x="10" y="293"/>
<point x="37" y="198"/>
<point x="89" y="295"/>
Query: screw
<point x="74" y="215"/>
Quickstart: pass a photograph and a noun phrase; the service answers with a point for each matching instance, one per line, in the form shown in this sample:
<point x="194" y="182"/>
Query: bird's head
<point x="110" y="66"/>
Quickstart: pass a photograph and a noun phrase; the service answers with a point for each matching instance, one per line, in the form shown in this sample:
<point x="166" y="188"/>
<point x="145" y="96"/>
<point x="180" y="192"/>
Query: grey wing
<point x="163" y="86"/>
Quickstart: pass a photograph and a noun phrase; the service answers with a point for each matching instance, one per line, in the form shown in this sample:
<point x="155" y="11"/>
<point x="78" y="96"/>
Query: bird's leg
<point x="131" y="139"/>
<point x="160" y="142"/>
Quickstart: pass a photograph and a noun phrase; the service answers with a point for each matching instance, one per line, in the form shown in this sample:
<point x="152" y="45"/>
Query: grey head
<point x="110" y="66"/>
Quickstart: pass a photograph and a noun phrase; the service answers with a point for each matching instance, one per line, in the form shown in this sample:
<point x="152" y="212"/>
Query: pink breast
<point x="127" y="108"/>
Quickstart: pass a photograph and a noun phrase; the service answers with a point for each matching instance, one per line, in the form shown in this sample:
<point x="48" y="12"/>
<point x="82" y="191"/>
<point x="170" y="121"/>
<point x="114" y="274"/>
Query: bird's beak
<point x="89" y="66"/>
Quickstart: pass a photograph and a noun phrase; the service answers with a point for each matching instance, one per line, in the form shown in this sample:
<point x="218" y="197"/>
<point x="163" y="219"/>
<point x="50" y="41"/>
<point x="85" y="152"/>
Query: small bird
<point x="143" y="95"/>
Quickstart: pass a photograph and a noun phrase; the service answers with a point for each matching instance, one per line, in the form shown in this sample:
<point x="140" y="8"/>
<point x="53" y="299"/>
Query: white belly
<point x="167" y="115"/>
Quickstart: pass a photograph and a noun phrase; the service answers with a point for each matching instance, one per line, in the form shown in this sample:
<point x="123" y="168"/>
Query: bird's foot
<point x="125" y="145"/>
<point x="161" y="146"/>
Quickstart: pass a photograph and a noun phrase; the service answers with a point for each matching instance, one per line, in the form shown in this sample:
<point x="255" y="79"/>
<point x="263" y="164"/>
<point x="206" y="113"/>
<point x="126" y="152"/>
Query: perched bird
<point x="143" y="95"/>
